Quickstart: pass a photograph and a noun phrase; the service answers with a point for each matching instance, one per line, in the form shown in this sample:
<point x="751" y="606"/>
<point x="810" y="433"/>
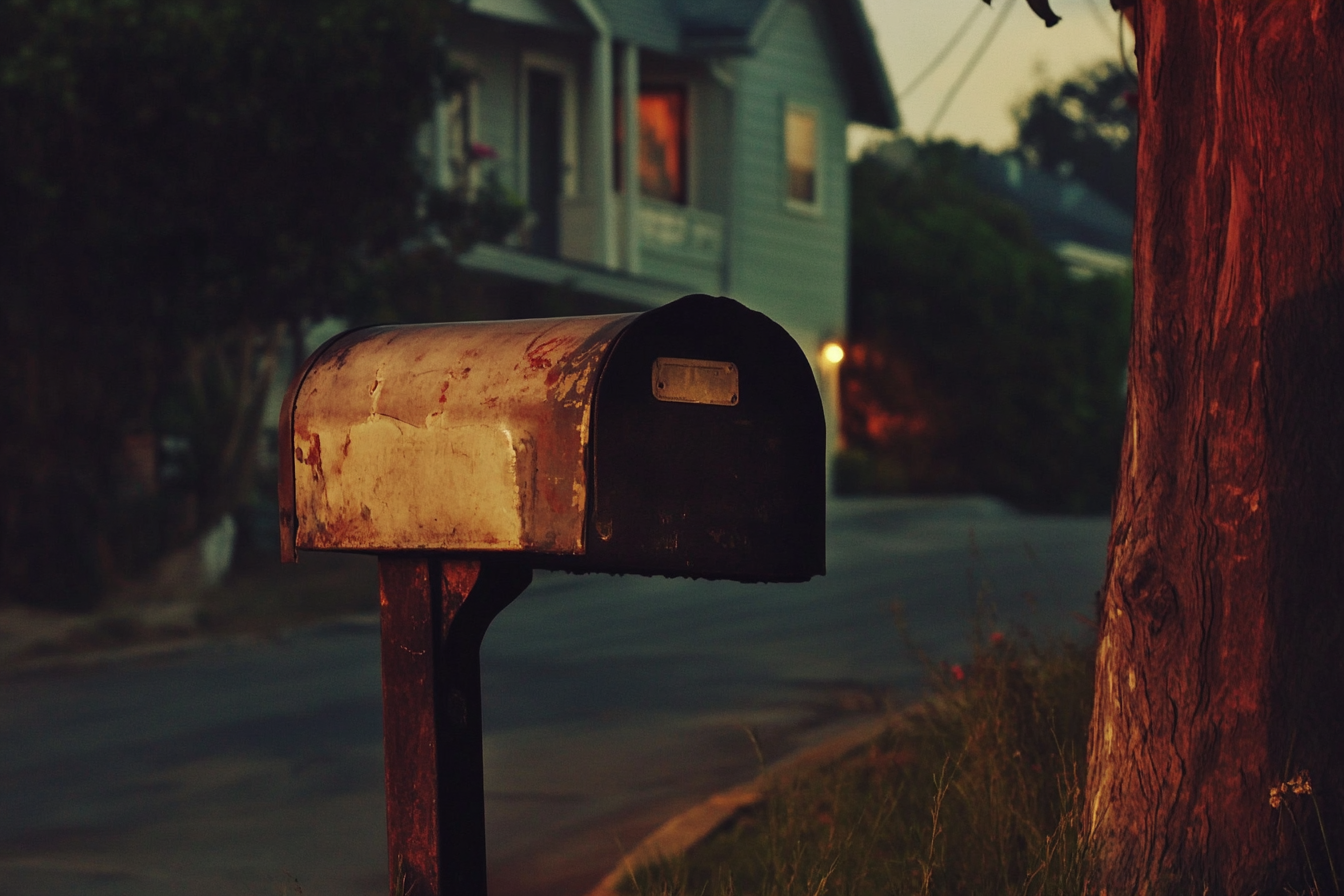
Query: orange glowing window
<point x="662" y="143"/>
<point x="800" y="154"/>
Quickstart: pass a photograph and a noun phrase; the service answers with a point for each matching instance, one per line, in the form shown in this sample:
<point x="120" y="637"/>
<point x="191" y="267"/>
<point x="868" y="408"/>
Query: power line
<point x="942" y="54"/>
<point x="970" y="66"/>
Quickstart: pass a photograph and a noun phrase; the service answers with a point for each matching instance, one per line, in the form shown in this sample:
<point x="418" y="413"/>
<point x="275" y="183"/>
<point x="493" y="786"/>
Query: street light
<point x="833" y="352"/>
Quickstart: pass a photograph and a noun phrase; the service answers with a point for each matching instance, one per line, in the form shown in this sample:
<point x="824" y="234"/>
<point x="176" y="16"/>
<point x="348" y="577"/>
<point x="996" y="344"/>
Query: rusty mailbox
<point x="684" y="441"/>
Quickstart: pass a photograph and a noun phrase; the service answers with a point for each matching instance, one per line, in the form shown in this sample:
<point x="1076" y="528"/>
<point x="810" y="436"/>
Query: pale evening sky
<point x="1023" y="56"/>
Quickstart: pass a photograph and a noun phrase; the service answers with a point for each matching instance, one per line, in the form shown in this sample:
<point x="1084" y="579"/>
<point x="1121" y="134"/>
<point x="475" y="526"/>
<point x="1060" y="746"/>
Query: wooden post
<point x="434" y="615"/>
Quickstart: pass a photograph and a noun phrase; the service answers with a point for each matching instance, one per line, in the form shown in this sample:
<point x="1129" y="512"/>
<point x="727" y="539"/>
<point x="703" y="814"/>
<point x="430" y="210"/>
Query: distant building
<point x="1088" y="232"/>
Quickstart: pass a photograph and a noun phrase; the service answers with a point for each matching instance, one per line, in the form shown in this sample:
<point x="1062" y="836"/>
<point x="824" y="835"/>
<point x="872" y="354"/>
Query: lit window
<point x="800" y="155"/>
<point x="662" y="143"/>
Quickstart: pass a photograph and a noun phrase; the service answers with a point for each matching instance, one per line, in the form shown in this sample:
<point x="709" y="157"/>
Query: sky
<point x="1023" y="56"/>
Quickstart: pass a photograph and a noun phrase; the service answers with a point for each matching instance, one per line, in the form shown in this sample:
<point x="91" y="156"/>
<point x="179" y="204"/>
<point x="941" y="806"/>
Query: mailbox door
<point x="708" y="449"/>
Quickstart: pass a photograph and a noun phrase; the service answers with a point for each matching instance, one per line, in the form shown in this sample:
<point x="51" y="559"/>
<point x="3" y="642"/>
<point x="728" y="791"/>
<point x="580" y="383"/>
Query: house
<point x="741" y="109"/>
<point x="1089" y="233"/>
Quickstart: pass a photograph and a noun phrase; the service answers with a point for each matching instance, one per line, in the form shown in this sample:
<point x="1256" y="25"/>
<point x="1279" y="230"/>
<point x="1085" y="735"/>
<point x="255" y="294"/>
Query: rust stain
<point x="313" y="457"/>
<point x="448" y="441"/>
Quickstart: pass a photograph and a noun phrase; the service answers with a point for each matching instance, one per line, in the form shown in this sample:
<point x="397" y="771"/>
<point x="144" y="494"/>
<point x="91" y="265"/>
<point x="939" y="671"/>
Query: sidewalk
<point x="261" y="599"/>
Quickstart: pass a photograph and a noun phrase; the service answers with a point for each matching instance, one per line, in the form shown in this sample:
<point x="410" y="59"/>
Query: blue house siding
<point x="791" y="261"/>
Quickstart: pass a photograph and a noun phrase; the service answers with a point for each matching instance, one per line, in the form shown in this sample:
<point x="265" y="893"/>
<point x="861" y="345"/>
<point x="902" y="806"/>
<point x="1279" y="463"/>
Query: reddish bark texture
<point x="1219" y="670"/>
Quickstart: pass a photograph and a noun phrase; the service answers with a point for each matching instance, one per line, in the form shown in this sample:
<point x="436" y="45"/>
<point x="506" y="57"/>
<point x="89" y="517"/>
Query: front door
<point x="545" y="91"/>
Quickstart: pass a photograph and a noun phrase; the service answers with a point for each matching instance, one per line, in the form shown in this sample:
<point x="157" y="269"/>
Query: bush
<point x="978" y="363"/>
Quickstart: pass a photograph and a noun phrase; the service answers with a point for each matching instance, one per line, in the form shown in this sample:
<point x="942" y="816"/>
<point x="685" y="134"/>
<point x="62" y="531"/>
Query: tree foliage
<point x="1087" y="128"/>
<point x="979" y="363"/>
<point x="182" y="182"/>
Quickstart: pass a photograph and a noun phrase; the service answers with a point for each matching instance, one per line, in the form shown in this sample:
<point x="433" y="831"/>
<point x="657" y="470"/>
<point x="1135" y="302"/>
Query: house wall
<point x="496" y="52"/>
<point x="699" y="264"/>
<point x="789" y="263"/>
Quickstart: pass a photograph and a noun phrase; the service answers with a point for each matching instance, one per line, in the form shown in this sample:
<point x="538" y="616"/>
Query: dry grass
<point x="978" y="792"/>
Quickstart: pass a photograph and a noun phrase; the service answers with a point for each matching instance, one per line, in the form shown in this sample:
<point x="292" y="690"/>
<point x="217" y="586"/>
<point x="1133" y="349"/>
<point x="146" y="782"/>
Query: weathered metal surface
<point x="445" y="437"/>
<point x="706" y="490"/>
<point x="685" y="441"/>
<point x="285" y="465"/>
<point x="695" y="382"/>
<point x="434" y="614"/>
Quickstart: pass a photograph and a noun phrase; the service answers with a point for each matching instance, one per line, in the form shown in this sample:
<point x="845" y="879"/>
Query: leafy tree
<point x="183" y="182"/>
<point x="1087" y="127"/>
<point x="980" y="364"/>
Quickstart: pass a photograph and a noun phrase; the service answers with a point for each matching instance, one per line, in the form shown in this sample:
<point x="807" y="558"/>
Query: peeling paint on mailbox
<point x="448" y="437"/>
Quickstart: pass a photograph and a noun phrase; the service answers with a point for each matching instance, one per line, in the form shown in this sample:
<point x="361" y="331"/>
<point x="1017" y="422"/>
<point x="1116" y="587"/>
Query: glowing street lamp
<point x="833" y="352"/>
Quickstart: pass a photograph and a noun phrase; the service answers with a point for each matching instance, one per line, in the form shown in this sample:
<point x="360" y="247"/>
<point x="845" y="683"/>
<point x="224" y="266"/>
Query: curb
<point x="682" y="832"/>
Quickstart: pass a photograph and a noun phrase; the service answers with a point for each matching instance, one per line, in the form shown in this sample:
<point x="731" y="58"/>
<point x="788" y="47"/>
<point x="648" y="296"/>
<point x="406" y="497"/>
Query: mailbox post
<point x="684" y="441"/>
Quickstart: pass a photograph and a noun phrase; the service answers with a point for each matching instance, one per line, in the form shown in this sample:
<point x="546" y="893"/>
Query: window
<point x="443" y="142"/>
<point x="800" y="156"/>
<point x="662" y="143"/>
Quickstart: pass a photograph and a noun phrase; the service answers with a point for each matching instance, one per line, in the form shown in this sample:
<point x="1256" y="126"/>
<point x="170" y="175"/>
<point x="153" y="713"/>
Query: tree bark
<point x="1219" y="670"/>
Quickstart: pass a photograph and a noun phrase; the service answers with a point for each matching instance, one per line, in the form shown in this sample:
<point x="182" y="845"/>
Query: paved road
<point x="610" y="703"/>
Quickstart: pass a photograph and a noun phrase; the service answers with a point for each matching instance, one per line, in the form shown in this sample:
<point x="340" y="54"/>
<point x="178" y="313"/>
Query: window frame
<point x="686" y="148"/>
<point x="569" y="141"/>
<point x="801" y="206"/>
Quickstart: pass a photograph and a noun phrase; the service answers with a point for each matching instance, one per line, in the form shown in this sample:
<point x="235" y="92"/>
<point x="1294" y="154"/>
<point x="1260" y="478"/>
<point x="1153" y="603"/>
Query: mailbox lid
<point x="709" y="449"/>
<point x="445" y="437"/>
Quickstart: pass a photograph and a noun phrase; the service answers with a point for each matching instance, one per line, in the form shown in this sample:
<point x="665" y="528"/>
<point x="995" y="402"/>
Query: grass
<point x="976" y="791"/>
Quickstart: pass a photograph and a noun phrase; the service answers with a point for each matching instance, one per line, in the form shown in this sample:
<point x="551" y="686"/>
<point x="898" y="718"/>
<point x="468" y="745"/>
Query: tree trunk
<point x="1219" y="671"/>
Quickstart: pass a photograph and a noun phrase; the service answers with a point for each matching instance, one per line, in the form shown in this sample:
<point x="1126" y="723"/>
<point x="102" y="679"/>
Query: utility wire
<point x="942" y="54"/>
<point x="970" y="66"/>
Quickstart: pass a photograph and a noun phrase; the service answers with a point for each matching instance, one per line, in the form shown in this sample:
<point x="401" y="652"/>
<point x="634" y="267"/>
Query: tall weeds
<point x="978" y="791"/>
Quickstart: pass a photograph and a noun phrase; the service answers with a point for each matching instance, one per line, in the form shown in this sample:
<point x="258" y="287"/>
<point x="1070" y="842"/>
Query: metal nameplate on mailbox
<point x="695" y="382"/>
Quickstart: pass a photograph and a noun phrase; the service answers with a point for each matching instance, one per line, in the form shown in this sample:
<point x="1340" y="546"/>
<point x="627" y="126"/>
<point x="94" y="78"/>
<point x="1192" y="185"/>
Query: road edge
<point x="682" y="832"/>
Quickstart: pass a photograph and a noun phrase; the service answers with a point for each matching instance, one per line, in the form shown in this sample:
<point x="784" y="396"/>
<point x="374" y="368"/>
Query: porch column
<point x="601" y="152"/>
<point x="630" y="160"/>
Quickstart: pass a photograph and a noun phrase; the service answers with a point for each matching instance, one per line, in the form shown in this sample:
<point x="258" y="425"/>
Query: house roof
<point x="1062" y="210"/>
<point x="719" y="28"/>
<point x="735" y="26"/>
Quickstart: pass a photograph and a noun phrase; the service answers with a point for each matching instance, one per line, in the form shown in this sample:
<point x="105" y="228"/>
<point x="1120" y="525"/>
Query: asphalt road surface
<point x="611" y="703"/>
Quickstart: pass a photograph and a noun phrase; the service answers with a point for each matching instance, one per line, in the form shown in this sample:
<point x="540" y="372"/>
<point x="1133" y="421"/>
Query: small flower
<point x="997" y="639"/>
<point x="1299" y="785"/>
<point x="958" y="673"/>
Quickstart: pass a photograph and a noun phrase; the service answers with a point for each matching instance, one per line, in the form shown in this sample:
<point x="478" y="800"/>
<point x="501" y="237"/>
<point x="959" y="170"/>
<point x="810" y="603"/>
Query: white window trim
<point x="816" y="207"/>
<point x="469" y="63"/>
<point x="440" y="152"/>
<point x="569" y="104"/>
